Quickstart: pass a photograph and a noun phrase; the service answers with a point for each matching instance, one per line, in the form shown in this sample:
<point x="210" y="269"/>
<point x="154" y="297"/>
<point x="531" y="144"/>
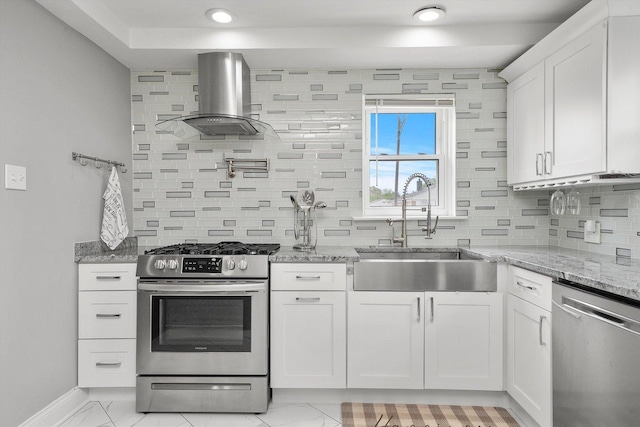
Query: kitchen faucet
<point x="403" y="236"/>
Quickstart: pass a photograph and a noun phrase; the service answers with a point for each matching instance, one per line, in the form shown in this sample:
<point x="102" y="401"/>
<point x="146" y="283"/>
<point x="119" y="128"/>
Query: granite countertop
<point x="321" y="254"/>
<point x="615" y="275"/>
<point x="97" y="252"/>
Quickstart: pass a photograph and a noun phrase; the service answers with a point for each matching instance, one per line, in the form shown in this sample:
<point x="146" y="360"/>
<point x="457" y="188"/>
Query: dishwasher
<point x="596" y="358"/>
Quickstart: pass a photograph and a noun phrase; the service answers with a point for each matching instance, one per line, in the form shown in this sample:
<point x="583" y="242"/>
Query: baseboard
<point x="59" y="409"/>
<point x="442" y="397"/>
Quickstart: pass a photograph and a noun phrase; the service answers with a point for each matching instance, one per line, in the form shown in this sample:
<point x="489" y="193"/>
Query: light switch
<point x="592" y="232"/>
<point x="15" y="177"/>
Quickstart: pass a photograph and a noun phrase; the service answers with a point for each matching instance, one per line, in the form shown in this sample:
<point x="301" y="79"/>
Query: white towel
<point x="114" y="219"/>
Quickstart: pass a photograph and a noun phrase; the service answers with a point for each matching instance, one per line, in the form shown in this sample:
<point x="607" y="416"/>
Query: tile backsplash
<point x="182" y="191"/>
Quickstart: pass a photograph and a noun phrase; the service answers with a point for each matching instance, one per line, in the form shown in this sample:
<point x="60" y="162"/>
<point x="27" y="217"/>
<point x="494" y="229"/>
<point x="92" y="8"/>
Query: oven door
<point x="202" y="328"/>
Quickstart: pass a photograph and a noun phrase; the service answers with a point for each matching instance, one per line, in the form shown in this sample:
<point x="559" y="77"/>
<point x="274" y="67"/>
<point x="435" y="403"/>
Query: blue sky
<point x="418" y="136"/>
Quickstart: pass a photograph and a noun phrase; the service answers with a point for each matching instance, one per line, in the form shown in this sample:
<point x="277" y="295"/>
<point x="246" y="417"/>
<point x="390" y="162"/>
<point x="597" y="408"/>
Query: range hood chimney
<point x="224" y="96"/>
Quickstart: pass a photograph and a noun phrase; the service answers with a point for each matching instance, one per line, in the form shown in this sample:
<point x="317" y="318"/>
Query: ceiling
<point x="149" y="35"/>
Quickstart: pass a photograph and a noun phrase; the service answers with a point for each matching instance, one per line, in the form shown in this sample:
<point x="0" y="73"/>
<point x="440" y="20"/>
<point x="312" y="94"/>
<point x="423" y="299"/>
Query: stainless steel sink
<point x="423" y="271"/>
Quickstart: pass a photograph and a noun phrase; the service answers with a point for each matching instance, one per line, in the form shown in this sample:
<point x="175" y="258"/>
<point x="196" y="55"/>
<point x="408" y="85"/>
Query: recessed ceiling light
<point x="220" y="16"/>
<point x="429" y="14"/>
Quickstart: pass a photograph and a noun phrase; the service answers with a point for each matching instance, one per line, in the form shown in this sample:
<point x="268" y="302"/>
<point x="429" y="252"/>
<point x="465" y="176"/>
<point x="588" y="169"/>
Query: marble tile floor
<point x="123" y="414"/>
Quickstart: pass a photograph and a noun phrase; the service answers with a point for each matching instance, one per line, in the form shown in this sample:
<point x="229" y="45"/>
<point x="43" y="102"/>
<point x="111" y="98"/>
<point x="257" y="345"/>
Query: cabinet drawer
<point x="303" y="277"/>
<point x="530" y="286"/>
<point x="107" y="363"/>
<point x="107" y="314"/>
<point x="107" y="277"/>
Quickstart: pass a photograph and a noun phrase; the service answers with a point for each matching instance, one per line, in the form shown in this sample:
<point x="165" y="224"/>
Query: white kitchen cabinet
<point x="107" y="325"/>
<point x="308" y="325"/>
<point x="464" y="341"/>
<point x="308" y="339"/>
<point x="528" y="342"/>
<point x="575" y="93"/>
<point x="590" y="89"/>
<point x="386" y="340"/>
<point x="525" y="126"/>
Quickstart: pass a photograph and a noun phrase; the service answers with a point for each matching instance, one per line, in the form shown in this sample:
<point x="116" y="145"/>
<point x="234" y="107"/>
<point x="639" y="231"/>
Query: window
<point x="404" y="135"/>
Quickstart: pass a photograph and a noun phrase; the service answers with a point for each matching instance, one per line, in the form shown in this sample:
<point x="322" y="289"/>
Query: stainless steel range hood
<point x="224" y="101"/>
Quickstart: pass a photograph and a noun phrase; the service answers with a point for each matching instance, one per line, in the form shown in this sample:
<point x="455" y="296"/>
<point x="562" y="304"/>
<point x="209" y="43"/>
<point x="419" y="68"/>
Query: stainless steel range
<point x="202" y="343"/>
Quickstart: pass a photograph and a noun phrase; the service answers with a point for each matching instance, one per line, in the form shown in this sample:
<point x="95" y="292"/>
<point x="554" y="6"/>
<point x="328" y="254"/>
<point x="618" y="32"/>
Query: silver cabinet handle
<point x="547" y="157"/>
<point x="308" y="277"/>
<point x="418" y="309"/>
<point x="540" y="330"/>
<point x="307" y="299"/>
<point x="108" y="277"/>
<point x="108" y="316"/>
<point x="432" y="310"/>
<point x="522" y="285"/>
<point x="108" y="363"/>
<point x="539" y="160"/>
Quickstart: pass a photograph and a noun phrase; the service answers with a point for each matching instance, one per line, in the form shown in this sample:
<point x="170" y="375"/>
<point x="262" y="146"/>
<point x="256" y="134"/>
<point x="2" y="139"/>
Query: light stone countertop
<point x="614" y="275"/>
<point x="96" y="252"/>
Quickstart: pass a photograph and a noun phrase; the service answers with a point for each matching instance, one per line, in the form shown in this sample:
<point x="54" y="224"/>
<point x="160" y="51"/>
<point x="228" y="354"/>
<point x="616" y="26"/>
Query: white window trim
<point x="444" y="106"/>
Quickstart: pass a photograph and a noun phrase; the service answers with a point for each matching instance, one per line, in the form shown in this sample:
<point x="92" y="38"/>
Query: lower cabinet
<point x="529" y="358"/>
<point x="464" y="341"/>
<point x="434" y="340"/>
<point x="308" y="339"/>
<point x="107" y="325"/>
<point x="308" y="325"/>
<point x="386" y="340"/>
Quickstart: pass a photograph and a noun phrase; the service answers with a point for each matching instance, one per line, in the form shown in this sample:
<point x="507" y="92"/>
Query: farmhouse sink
<point x="422" y="271"/>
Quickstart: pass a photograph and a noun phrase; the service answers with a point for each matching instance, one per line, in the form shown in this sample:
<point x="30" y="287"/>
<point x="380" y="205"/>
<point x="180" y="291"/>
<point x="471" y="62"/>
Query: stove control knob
<point x="159" y="264"/>
<point x="172" y="264"/>
<point x="242" y="264"/>
<point x="231" y="264"/>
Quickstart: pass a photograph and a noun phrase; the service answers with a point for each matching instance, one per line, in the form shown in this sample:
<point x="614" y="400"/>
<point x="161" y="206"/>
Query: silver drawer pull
<point x="108" y="363"/>
<point x="542" y="318"/>
<point x="308" y="277"/>
<point x="108" y="277"/>
<point x="522" y="285"/>
<point x="308" y="299"/>
<point x="108" y="316"/>
<point x="199" y="386"/>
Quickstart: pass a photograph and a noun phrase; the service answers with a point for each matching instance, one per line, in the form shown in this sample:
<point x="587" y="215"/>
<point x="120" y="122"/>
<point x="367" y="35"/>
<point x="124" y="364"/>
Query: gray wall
<point x="58" y="93"/>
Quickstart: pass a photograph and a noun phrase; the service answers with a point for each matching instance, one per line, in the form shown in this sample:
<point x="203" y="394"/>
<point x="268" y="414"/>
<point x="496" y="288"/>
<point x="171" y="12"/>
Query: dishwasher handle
<point x="598" y="313"/>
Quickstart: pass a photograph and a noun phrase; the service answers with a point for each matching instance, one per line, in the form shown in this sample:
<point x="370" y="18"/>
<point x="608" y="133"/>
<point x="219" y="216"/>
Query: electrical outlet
<point x="15" y="177"/>
<point x="592" y="236"/>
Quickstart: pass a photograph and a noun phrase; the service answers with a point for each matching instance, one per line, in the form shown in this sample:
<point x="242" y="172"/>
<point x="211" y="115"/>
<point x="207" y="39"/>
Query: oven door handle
<point x="173" y="288"/>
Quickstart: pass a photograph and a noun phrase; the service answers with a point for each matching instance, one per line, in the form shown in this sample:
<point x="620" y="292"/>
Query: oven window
<point x="201" y="324"/>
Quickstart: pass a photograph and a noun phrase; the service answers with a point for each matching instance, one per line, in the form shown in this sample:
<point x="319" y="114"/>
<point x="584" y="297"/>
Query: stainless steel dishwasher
<point x="596" y="359"/>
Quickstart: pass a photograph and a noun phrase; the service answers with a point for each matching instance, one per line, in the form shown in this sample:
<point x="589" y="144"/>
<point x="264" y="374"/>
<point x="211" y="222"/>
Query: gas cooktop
<point x="221" y="248"/>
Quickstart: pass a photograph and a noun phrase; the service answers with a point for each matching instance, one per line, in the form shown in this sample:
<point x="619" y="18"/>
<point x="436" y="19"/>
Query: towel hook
<point x="123" y="169"/>
<point x="98" y="164"/>
<point x="82" y="161"/>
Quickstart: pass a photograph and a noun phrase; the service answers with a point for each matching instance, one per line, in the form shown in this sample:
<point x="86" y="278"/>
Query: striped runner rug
<point x="410" y="415"/>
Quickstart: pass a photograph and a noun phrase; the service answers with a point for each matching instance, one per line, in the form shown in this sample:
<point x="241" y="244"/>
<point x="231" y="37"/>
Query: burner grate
<point x="222" y="248"/>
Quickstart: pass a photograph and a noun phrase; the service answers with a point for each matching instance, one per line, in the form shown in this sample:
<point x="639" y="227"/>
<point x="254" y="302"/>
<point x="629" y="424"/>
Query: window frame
<point x="443" y="105"/>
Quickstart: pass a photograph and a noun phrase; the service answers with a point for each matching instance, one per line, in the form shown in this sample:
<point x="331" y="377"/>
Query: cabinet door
<point x="529" y="358"/>
<point x="386" y="340"/>
<point x="575" y="96"/>
<point x="525" y="126"/>
<point x="464" y="341"/>
<point x="308" y="339"/>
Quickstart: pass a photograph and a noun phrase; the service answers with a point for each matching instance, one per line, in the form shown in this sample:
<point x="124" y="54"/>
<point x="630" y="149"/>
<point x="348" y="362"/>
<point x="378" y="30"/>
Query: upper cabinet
<point x="575" y="107"/>
<point x="572" y="115"/>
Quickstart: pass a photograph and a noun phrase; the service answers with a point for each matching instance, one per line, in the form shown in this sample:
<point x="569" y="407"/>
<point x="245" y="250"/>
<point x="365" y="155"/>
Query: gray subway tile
<point x="535" y="212"/>
<point x="178" y="194"/>
<point x="333" y="174"/>
<point x="176" y="214"/>
<point x="229" y="222"/>
<point x="623" y="252"/>
<point x="222" y="194"/>
<point x="174" y="156"/>
<point x="575" y="235"/>
<point x="268" y="77"/>
<point x="155" y="79"/>
<point x="495" y="232"/>
<point x="614" y="212"/>
<point x="493" y="154"/>
<point x="337" y="233"/>
<point x="494" y="193"/>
